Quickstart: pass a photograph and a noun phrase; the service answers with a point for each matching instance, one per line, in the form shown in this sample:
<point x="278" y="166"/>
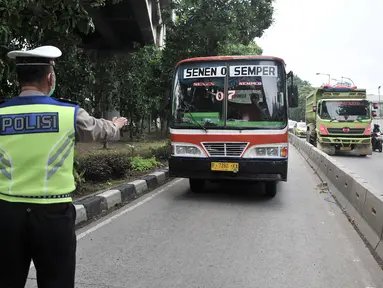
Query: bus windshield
<point x="345" y="110"/>
<point x="256" y="96"/>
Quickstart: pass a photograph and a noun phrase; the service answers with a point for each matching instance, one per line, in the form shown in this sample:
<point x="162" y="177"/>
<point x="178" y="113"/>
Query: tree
<point x="214" y="27"/>
<point x="240" y="49"/>
<point x="26" y="24"/>
<point x="138" y="83"/>
<point x="140" y="86"/>
<point x="202" y="28"/>
<point x="304" y="88"/>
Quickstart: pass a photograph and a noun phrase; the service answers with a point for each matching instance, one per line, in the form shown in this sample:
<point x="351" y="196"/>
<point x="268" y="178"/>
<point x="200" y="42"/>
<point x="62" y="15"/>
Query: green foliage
<point x="110" y="165"/>
<point x="240" y="49"/>
<point x="136" y="83"/>
<point x="162" y="153"/>
<point x="78" y="177"/>
<point x="140" y="86"/>
<point x="304" y="88"/>
<point x="141" y="164"/>
<point x="214" y="27"/>
<point x="27" y="24"/>
<point x="99" y="167"/>
<point x="203" y="28"/>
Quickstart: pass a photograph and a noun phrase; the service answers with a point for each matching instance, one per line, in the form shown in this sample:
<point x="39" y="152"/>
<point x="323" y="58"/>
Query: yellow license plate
<point x="224" y="166"/>
<point x="345" y="148"/>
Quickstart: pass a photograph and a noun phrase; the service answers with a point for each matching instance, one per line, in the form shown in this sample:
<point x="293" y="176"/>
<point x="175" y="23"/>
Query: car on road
<point x="292" y="125"/>
<point x="300" y="129"/>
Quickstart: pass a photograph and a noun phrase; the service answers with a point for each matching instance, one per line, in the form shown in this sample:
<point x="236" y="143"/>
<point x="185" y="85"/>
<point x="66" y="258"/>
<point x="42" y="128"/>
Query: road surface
<point x="228" y="237"/>
<point x="370" y="167"/>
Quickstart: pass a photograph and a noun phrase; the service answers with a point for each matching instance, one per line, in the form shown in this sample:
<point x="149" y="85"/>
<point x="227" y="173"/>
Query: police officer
<point x="37" y="137"/>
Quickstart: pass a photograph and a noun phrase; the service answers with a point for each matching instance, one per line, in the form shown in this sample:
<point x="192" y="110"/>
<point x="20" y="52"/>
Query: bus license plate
<point x="345" y="148"/>
<point x="224" y="166"/>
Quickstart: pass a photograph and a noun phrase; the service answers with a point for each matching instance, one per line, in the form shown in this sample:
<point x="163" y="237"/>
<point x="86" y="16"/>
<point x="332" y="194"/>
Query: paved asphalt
<point x="228" y="237"/>
<point x="370" y="167"/>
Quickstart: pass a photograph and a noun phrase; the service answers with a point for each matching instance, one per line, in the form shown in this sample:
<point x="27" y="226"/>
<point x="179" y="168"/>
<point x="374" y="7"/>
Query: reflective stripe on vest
<point x="37" y="137"/>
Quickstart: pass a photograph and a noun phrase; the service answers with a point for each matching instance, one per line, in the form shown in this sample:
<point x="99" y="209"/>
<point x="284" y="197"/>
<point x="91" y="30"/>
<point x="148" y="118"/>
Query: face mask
<point x="53" y="86"/>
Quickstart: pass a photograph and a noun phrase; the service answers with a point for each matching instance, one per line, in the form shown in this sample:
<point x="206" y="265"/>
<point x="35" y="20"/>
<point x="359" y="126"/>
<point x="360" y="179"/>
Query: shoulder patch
<point x="66" y="101"/>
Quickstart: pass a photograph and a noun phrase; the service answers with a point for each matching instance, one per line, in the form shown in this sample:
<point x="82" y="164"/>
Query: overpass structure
<point x="119" y="26"/>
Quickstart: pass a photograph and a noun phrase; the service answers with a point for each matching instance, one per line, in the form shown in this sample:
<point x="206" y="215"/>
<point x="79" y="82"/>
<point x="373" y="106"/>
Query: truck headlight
<point x="266" y="151"/>
<point x="187" y="150"/>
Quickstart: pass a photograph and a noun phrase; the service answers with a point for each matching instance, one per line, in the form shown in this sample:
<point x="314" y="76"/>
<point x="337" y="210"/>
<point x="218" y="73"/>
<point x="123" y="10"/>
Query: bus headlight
<point x="266" y="151"/>
<point x="187" y="150"/>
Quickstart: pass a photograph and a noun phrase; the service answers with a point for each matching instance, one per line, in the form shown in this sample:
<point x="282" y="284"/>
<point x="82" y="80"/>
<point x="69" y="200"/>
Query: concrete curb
<point x="102" y="203"/>
<point x="361" y="203"/>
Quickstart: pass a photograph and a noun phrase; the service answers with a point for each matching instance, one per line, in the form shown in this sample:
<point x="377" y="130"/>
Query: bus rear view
<point x="230" y="120"/>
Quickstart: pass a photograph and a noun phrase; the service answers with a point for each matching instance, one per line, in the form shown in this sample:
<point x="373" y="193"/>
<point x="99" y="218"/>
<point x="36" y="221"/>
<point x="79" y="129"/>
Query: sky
<point x="336" y="37"/>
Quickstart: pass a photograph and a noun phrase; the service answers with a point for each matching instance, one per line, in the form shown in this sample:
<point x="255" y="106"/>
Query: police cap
<point x="43" y="55"/>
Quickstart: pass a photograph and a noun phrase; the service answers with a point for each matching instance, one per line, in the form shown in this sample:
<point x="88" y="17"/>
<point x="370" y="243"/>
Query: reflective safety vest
<point x="37" y="137"/>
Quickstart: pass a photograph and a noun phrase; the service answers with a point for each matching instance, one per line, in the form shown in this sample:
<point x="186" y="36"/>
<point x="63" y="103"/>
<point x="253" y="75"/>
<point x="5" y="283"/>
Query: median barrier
<point x="306" y="149"/>
<point x="361" y="203"/>
<point x="373" y="213"/>
<point x="323" y="166"/>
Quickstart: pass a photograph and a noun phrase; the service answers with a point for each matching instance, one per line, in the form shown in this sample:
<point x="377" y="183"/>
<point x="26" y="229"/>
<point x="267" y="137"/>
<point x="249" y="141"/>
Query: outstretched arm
<point x="91" y="129"/>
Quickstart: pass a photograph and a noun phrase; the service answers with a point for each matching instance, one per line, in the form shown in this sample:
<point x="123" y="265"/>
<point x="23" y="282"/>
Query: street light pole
<point x="379" y="102"/>
<point x="336" y="80"/>
<point x="328" y="75"/>
<point x="348" y="79"/>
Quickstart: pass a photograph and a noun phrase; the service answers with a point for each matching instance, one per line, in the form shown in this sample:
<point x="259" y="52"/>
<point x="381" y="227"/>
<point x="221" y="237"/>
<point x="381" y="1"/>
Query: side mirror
<point x="375" y="105"/>
<point x="292" y="94"/>
<point x="374" y="114"/>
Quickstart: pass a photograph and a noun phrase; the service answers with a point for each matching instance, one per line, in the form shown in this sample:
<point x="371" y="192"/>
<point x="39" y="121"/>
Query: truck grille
<point x="225" y="149"/>
<point x="345" y="130"/>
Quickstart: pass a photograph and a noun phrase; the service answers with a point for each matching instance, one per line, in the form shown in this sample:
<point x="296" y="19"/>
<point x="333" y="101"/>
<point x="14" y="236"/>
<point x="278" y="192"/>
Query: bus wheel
<point x="271" y="189"/>
<point x="197" y="185"/>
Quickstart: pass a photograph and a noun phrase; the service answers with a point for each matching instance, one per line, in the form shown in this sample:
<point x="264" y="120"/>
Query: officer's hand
<point x="120" y="122"/>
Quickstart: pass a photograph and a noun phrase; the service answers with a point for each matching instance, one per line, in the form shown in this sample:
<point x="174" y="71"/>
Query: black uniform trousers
<point x="44" y="233"/>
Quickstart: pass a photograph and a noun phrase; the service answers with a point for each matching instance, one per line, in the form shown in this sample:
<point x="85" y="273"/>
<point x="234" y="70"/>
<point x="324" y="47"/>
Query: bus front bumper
<point x="249" y="169"/>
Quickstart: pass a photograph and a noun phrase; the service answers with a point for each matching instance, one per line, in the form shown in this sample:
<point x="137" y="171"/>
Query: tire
<point x="197" y="185"/>
<point x="270" y="189"/>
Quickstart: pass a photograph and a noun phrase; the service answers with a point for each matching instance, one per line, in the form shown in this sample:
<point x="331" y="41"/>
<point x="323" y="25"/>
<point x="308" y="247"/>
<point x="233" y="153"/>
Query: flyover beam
<point x="103" y="27"/>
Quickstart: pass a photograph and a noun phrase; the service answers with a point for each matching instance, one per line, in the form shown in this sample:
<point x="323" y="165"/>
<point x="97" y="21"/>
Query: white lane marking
<point x="131" y="208"/>
<point x="126" y="210"/>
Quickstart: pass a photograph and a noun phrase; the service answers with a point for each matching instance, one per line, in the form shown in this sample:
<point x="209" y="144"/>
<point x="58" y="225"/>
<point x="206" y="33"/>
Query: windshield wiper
<point x="195" y="121"/>
<point x="191" y="115"/>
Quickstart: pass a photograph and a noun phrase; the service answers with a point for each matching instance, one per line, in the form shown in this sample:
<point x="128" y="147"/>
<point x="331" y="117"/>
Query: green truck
<point x="339" y="119"/>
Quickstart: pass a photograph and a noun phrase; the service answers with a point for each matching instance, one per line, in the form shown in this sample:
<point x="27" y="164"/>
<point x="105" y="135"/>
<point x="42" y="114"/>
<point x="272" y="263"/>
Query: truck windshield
<point x="255" y="98"/>
<point x="345" y="110"/>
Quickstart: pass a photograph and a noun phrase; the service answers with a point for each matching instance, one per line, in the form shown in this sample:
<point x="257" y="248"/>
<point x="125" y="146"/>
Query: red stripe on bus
<point x="253" y="139"/>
